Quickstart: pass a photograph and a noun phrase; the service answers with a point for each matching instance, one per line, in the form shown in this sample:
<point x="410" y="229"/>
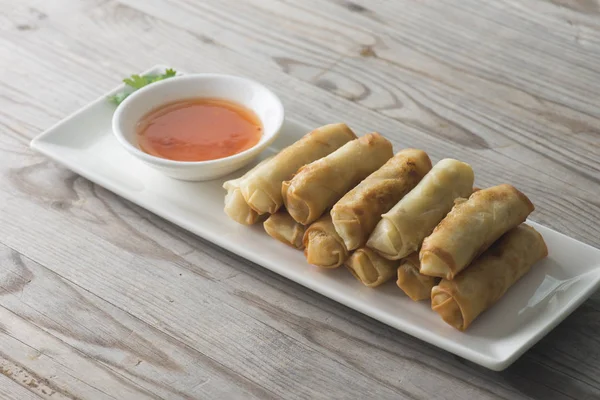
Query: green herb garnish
<point x="136" y="82"/>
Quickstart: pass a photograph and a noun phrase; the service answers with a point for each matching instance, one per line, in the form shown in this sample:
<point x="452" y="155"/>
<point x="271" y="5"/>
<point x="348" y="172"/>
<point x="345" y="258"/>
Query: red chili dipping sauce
<point x="198" y="129"/>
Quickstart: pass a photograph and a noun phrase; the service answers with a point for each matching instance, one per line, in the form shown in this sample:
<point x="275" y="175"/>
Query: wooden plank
<point x="58" y="337"/>
<point x="10" y="390"/>
<point x="258" y="334"/>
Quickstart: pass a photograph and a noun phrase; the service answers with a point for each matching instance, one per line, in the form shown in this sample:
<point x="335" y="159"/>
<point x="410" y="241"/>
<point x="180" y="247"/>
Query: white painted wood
<point x="10" y="390"/>
<point x="511" y="86"/>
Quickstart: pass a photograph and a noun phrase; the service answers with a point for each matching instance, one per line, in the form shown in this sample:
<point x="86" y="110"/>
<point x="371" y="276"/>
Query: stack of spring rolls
<point x="348" y="200"/>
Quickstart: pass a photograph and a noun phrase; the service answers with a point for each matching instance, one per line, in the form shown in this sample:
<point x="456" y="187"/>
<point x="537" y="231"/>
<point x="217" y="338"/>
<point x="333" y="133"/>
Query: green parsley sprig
<point x="136" y="82"/>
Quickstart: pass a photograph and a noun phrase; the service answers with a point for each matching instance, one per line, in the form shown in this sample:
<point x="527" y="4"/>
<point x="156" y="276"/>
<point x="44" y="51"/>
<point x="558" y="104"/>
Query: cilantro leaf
<point x="135" y="82"/>
<point x="118" y="98"/>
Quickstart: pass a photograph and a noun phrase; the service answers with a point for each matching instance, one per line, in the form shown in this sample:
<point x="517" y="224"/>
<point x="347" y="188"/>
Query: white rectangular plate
<point x="556" y="286"/>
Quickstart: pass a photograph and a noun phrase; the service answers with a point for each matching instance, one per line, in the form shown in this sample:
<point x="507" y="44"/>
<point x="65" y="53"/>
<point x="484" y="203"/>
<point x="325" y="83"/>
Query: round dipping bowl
<point x="248" y="93"/>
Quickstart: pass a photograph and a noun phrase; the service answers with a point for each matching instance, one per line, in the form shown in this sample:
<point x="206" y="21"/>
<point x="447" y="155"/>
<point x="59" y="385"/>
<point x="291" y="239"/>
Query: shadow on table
<point x="563" y="365"/>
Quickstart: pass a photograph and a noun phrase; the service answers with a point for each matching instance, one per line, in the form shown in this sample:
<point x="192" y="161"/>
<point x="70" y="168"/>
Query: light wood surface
<point x="100" y="299"/>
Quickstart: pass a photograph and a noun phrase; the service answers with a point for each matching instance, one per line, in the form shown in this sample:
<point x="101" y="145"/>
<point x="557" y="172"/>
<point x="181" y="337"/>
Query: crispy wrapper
<point x="323" y="247"/>
<point x="262" y="190"/>
<point x="281" y="226"/>
<point x="235" y="206"/>
<point x="319" y="185"/>
<point x="357" y="213"/>
<point x="416" y="285"/>
<point x="484" y="282"/>
<point x="403" y="228"/>
<point x="370" y="268"/>
<point x="471" y="227"/>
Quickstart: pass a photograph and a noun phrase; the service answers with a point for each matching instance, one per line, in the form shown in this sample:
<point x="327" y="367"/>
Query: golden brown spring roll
<point x="319" y="185"/>
<point x="370" y="268"/>
<point x="235" y="206"/>
<point x="471" y="227"/>
<point x="402" y="229"/>
<point x="262" y="190"/>
<point x="281" y="226"/>
<point x="484" y="282"/>
<point x="357" y="213"/>
<point x="323" y="247"/>
<point x="416" y="285"/>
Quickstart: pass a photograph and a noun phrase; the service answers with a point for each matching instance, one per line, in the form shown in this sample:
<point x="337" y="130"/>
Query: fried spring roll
<point x="281" y="226"/>
<point x="416" y="285"/>
<point x="319" y="185"/>
<point x="484" y="282"/>
<point x="357" y="213"/>
<point x="471" y="227"/>
<point x="370" y="268"/>
<point x="262" y="190"/>
<point x="402" y="229"/>
<point x="235" y="206"/>
<point x="323" y="247"/>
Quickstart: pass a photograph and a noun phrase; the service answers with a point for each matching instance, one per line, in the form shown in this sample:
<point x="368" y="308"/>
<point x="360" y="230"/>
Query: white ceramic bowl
<point x="246" y="92"/>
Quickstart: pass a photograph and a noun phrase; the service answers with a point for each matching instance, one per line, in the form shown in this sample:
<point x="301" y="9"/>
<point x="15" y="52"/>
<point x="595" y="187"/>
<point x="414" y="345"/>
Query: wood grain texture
<point x="102" y="299"/>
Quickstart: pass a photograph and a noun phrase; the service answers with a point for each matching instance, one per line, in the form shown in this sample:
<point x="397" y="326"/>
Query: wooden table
<point x="101" y="299"/>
